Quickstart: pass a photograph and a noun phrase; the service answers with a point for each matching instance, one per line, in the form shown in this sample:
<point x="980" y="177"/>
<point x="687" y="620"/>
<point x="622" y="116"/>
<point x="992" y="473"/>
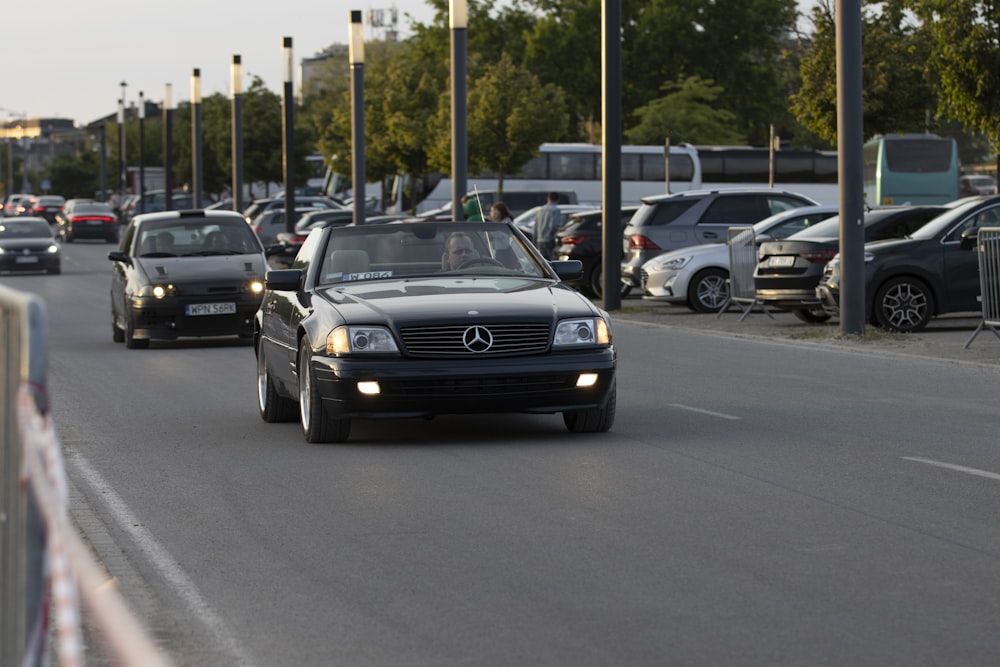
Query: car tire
<point x="273" y="406"/>
<point x="708" y="290"/>
<point x="811" y="315"/>
<point x="593" y="420"/>
<point x="117" y="333"/>
<point x="903" y="304"/>
<point x="131" y="342"/>
<point x="594" y="280"/>
<point x="316" y="425"/>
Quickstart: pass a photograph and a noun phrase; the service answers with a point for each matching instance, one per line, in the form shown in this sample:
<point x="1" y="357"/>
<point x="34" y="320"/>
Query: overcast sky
<point x="67" y="58"/>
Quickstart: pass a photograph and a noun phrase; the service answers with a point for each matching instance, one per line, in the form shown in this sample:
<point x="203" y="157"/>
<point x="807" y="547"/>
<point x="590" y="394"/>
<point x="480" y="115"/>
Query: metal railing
<point x="742" y="262"/>
<point x="40" y="550"/>
<point x="988" y="249"/>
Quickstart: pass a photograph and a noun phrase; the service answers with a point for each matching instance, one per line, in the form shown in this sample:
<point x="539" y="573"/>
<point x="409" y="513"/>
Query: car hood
<point x="22" y="244"/>
<point x="457" y="299"/>
<point x="208" y="268"/>
<point x="702" y="250"/>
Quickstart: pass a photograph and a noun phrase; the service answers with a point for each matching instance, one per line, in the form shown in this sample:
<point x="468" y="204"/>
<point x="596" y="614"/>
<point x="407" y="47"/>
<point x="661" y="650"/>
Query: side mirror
<point x="284" y="280"/>
<point x="970" y="238"/>
<point x="276" y="249"/>
<point x="568" y="269"/>
<point x="118" y="256"/>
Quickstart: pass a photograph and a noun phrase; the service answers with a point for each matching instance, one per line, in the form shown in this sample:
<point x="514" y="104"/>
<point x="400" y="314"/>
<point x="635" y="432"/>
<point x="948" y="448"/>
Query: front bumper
<point x="34" y="262"/>
<point x="421" y="388"/>
<point x="168" y="319"/>
<point x="788" y="299"/>
<point x="829" y="299"/>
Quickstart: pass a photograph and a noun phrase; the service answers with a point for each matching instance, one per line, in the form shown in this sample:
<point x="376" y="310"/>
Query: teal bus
<point x="910" y="169"/>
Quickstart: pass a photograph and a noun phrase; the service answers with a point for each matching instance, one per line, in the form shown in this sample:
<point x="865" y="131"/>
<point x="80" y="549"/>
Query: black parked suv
<point x="582" y="238"/>
<point x="932" y="272"/>
<point x="669" y="222"/>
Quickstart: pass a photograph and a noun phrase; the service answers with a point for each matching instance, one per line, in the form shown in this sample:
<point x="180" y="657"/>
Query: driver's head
<point x="459" y="249"/>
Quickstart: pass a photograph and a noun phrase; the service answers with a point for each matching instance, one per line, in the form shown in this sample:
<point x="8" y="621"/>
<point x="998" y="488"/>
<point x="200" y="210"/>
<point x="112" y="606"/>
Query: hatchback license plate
<point x="26" y="260"/>
<point x="782" y="261"/>
<point x="211" y="308"/>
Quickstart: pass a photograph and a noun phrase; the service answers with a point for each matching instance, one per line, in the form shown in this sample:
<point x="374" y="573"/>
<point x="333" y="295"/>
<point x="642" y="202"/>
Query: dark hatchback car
<point x="185" y="273"/>
<point x="789" y="270"/>
<point x="88" y="220"/>
<point x="27" y="244"/>
<point x="933" y="272"/>
<point x="417" y="319"/>
<point x="582" y="238"/>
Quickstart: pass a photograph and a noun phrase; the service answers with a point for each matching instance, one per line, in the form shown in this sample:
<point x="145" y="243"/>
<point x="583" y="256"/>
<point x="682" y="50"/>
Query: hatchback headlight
<point x="361" y="340"/>
<point x="157" y="291"/>
<point x="672" y="263"/>
<point x="590" y="331"/>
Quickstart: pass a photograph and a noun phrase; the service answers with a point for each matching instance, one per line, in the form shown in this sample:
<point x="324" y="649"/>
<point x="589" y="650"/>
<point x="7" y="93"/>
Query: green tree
<point x="510" y="114"/>
<point x="964" y="40"/>
<point x="897" y="95"/>
<point x="75" y="175"/>
<point x="688" y="113"/>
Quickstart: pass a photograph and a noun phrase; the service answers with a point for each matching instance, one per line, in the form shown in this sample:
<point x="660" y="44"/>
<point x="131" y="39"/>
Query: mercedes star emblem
<point x="477" y="339"/>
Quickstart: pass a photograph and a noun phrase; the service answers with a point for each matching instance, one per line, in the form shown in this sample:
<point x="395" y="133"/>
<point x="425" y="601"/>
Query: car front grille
<point x="450" y="340"/>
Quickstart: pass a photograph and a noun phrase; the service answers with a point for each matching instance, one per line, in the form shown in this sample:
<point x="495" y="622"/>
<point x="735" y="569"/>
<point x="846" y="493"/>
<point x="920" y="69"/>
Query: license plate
<point x="26" y="260"/>
<point x="782" y="261"/>
<point x="93" y="222"/>
<point x="211" y="308"/>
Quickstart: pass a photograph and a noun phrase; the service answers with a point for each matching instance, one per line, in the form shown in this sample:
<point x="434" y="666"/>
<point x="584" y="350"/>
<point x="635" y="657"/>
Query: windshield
<point x="188" y="237"/>
<point x="944" y="221"/>
<point x="422" y="249"/>
<point x="28" y="229"/>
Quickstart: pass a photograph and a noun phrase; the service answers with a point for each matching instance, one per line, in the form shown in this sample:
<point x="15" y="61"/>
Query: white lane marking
<point x="720" y="415"/>
<point x="952" y="466"/>
<point x="164" y="563"/>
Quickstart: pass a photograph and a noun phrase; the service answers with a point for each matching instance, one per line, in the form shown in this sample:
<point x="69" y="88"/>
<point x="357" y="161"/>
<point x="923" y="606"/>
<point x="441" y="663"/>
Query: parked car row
<point x="918" y="261"/>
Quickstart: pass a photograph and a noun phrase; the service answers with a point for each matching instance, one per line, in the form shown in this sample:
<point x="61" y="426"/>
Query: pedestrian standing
<point x="546" y="224"/>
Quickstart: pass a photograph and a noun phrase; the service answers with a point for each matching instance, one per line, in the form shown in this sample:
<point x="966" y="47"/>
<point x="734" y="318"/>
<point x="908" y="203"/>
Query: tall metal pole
<point x="121" y="143"/>
<point x="168" y="146"/>
<point x="142" y="150"/>
<point x="197" y="177"/>
<point x="357" y="59"/>
<point x="458" y="12"/>
<point x="237" y="85"/>
<point x="850" y="164"/>
<point x="611" y="179"/>
<point x="104" y="162"/>
<point x="288" y="135"/>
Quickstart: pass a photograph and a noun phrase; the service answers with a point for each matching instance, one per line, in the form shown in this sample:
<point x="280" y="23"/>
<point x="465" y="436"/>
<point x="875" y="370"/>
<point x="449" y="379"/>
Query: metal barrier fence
<point x="742" y="262"/>
<point x="40" y="550"/>
<point x="988" y="248"/>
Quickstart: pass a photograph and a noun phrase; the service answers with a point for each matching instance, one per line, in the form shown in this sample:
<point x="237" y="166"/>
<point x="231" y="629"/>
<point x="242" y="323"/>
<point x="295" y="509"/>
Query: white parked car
<point x="698" y="276"/>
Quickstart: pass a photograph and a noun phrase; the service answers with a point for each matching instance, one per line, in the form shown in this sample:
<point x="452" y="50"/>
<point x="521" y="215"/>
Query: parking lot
<point x="945" y="337"/>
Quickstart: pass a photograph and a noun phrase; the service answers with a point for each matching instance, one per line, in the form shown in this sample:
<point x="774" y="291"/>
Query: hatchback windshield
<point x="27" y="229"/>
<point x="185" y="237"/>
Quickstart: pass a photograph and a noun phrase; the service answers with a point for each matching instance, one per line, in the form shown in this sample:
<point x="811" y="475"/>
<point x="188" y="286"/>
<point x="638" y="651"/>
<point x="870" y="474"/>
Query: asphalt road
<point x="764" y="498"/>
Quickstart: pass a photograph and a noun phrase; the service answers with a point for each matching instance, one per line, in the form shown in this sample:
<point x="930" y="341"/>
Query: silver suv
<point x="668" y="222"/>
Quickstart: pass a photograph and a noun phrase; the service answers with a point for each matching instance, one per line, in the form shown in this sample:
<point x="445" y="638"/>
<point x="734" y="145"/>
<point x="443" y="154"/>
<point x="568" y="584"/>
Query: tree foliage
<point x="688" y="113"/>
<point x="896" y="93"/>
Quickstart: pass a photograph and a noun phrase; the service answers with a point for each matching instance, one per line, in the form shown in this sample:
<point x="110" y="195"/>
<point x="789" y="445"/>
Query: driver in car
<point x="458" y="249"/>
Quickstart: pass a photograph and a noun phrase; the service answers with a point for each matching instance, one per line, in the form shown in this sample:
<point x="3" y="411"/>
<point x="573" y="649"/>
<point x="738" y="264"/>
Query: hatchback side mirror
<point x="969" y="239"/>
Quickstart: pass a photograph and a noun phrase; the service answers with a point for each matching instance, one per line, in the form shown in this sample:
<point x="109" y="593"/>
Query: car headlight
<point x="256" y="286"/>
<point x="361" y="340"/>
<point x="157" y="291"/>
<point x="53" y="249"/>
<point x="672" y="263"/>
<point x="589" y="331"/>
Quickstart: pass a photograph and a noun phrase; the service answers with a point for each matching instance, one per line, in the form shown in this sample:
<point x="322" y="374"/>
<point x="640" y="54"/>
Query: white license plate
<point x="782" y="261"/>
<point x="26" y="260"/>
<point x="211" y="308"/>
<point x="94" y="222"/>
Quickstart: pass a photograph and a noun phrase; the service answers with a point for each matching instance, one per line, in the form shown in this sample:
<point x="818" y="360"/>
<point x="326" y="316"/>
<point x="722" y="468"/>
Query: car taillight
<point x="100" y="218"/>
<point x="574" y="240"/>
<point x="818" y="256"/>
<point x="641" y="242"/>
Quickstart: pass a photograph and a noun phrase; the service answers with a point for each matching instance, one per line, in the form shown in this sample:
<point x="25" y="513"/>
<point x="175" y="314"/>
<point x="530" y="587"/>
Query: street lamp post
<point x="237" y="86"/>
<point x="288" y="136"/>
<point x="459" y="147"/>
<point x="142" y="149"/>
<point x="122" y="169"/>
<point x="168" y="143"/>
<point x="104" y="162"/>
<point x="356" y="55"/>
<point x="196" y="174"/>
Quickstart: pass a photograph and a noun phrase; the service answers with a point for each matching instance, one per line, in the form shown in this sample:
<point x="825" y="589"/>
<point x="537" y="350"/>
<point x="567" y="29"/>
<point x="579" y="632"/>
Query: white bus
<point x="568" y="167"/>
<point x="808" y="172"/>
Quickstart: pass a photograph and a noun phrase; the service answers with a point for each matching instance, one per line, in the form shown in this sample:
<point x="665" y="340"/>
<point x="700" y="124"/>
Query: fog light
<point x="586" y="380"/>
<point x="369" y="387"/>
